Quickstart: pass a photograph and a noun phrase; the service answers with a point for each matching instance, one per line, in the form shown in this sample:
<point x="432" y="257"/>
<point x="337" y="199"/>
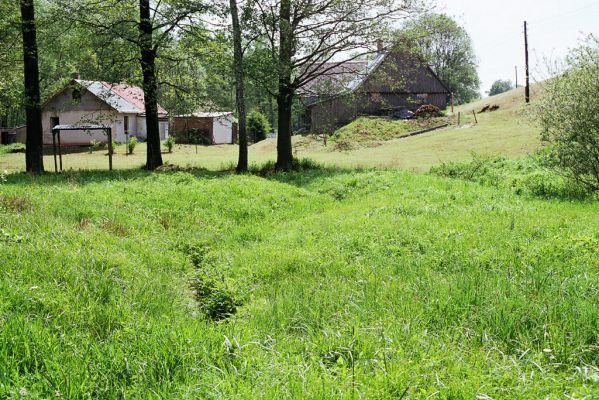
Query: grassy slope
<point x="354" y="285"/>
<point x="502" y="132"/>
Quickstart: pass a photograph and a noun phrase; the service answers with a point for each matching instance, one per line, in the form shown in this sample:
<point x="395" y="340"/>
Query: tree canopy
<point x="448" y="49"/>
<point x="500" y="86"/>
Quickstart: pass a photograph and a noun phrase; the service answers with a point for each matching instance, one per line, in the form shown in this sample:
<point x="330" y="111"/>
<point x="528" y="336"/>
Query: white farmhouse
<point x="82" y="102"/>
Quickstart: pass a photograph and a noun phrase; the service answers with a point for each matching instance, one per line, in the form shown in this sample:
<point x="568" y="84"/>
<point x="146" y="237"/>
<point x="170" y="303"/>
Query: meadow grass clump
<point x="12" y="148"/>
<point x="321" y="283"/>
<point x="529" y="175"/>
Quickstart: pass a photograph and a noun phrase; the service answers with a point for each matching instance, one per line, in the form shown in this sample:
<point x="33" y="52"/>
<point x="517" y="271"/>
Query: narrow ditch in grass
<point x="215" y="299"/>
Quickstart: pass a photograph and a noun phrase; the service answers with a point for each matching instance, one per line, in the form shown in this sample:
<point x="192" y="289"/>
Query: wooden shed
<point x="217" y="127"/>
<point x="390" y="82"/>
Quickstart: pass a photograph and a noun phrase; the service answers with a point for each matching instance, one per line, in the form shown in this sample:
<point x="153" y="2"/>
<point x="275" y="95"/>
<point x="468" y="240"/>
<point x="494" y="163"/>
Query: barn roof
<point x="341" y="78"/>
<point x="124" y="98"/>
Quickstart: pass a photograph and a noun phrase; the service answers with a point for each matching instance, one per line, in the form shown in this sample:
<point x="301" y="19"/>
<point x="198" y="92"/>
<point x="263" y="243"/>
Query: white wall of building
<point x="105" y="117"/>
<point x="142" y="133"/>
<point x="222" y="129"/>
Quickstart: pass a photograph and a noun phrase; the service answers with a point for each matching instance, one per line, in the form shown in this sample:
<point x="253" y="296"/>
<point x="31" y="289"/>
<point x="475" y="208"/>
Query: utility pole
<point x="527" y="88"/>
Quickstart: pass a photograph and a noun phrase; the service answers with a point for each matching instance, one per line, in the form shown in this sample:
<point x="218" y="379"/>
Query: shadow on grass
<point x="303" y="173"/>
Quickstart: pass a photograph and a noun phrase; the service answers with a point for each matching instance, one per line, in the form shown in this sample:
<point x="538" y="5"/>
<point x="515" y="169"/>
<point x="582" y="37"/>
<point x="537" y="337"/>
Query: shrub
<point x="114" y="146"/>
<point x="96" y="145"/>
<point x="214" y="301"/>
<point x="428" y="111"/>
<point x="500" y="86"/>
<point x="257" y="126"/>
<point x="131" y="143"/>
<point x="527" y="175"/>
<point x="169" y="143"/>
<point x="568" y="114"/>
<point x="12" y="148"/>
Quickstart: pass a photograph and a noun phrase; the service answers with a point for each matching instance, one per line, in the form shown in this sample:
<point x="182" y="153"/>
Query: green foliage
<point x="568" y="114"/>
<point x="96" y="145"/>
<point x="169" y="143"/>
<point x="12" y="148"/>
<point x="114" y="146"/>
<point x="528" y="175"/>
<point x="380" y="278"/>
<point x="447" y="47"/>
<point x="257" y="126"/>
<point x="500" y="86"/>
<point x="131" y="143"/>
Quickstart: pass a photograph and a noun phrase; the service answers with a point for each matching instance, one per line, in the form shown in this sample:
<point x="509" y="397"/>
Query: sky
<point x="496" y="29"/>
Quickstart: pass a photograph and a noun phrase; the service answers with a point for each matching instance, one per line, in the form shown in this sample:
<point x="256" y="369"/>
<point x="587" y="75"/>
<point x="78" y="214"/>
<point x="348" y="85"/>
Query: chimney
<point x="380" y="47"/>
<point x="76" y="75"/>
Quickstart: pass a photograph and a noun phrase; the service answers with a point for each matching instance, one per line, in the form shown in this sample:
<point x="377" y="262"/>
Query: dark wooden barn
<point x="392" y="81"/>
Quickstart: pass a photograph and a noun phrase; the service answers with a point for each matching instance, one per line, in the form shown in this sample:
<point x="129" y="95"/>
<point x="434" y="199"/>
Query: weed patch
<point x="15" y="203"/>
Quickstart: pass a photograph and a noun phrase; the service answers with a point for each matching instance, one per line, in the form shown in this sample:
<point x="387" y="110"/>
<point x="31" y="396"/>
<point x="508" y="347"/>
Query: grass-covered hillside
<point x="366" y="142"/>
<point x="320" y="284"/>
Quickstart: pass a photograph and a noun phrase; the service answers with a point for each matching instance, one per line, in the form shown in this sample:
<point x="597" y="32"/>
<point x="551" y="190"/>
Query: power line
<point x="543" y="20"/>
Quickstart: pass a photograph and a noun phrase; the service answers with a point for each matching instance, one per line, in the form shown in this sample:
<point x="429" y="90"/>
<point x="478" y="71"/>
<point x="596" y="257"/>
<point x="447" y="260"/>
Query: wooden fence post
<point x="110" y="149"/>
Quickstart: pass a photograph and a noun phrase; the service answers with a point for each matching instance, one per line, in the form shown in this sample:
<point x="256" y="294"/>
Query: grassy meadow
<point x="317" y="284"/>
<point x="346" y="279"/>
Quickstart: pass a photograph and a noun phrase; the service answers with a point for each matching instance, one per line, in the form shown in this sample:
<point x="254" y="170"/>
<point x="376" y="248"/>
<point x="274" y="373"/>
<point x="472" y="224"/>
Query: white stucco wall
<point x="222" y="129"/>
<point x="105" y="117"/>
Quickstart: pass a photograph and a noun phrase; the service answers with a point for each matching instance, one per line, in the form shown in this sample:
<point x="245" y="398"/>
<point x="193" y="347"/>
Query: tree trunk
<point x="34" y="160"/>
<point x="150" y="86"/>
<point x="242" y="162"/>
<point x="285" y="93"/>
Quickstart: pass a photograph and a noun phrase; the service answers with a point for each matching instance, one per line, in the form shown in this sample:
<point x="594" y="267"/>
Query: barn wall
<point x="383" y="103"/>
<point x="329" y="114"/>
<point x="180" y="126"/>
<point x="402" y="73"/>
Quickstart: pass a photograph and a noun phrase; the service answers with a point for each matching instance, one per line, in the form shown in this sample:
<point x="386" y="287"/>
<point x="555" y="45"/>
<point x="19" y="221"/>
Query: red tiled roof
<point x="132" y="94"/>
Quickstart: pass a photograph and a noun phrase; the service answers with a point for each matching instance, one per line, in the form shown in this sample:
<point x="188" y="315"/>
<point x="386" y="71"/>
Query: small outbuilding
<point x="218" y="127"/>
<point x="8" y="135"/>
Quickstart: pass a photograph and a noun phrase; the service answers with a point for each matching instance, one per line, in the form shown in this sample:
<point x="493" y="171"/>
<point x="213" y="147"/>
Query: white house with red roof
<point x="83" y="102"/>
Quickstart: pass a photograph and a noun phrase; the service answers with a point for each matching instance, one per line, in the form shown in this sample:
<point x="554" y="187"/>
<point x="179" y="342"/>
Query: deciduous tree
<point x="147" y="26"/>
<point x="34" y="160"/>
<point x="447" y="47"/>
<point x="303" y="36"/>
<point x="500" y="86"/>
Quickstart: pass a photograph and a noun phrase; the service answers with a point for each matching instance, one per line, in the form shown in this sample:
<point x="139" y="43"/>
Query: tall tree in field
<point x="304" y="35"/>
<point x="447" y="47"/>
<point x="242" y="163"/>
<point x="148" y="26"/>
<point x="500" y="86"/>
<point x="34" y="160"/>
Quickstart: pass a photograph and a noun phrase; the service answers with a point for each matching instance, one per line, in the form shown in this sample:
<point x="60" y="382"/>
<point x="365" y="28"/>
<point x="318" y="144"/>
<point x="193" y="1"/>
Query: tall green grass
<point x="312" y="284"/>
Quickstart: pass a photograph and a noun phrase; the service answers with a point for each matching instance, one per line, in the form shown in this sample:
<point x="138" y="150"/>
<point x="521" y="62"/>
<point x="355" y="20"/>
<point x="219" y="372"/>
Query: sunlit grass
<point x="364" y="284"/>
